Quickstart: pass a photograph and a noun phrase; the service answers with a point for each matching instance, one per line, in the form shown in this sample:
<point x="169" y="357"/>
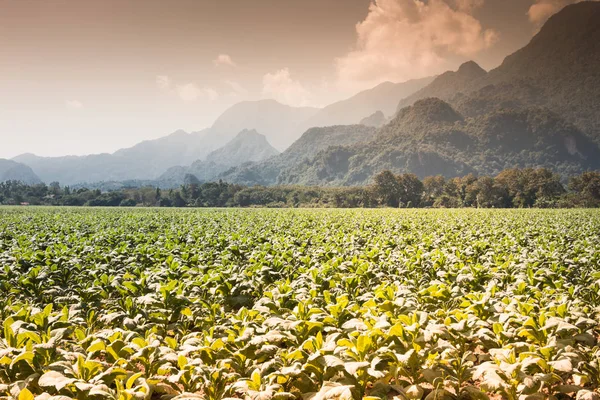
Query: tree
<point x="410" y="190"/>
<point x="176" y="199"/>
<point x="546" y="185"/>
<point x="525" y="187"/>
<point x="387" y="188"/>
<point x="587" y="187"/>
<point x="514" y="181"/>
<point x="488" y="194"/>
<point x="433" y="188"/>
<point x="54" y="188"/>
<point x="466" y="190"/>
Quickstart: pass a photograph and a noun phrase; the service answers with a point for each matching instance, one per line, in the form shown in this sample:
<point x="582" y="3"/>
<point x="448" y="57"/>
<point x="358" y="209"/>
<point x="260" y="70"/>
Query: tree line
<point x="512" y="188"/>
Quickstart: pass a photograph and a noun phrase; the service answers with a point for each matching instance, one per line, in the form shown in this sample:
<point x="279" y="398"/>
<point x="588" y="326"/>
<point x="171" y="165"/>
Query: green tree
<point x="587" y="188"/>
<point x="410" y="190"/>
<point x="387" y="189"/>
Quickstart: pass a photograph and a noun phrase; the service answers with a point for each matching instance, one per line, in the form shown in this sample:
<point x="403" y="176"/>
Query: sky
<point x="90" y="76"/>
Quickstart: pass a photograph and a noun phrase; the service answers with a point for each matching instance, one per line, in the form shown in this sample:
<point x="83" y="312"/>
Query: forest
<point x="512" y="188"/>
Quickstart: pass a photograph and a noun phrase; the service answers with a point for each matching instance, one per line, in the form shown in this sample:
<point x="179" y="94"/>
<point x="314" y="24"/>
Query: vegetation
<point x="518" y="188"/>
<point x="313" y="141"/>
<point x="431" y="138"/>
<point x="280" y="304"/>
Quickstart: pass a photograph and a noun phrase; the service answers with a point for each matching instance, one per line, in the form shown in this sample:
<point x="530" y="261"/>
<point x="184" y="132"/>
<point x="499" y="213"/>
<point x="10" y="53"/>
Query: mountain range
<point x="431" y="138"/>
<point x="539" y="108"/>
<point x="149" y="160"/>
<point x="557" y="70"/>
<point x="247" y="147"/>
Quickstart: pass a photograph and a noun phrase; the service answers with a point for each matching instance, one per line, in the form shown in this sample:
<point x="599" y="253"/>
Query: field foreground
<point x="292" y="304"/>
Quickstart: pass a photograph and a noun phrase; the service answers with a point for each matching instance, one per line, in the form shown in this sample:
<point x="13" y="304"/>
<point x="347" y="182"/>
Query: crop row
<point x="292" y="304"/>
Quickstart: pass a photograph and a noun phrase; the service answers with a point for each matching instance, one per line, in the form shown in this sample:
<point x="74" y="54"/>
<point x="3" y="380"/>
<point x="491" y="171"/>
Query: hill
<point x="145" y="160"/>
<point x="383" y="97"/>
<point x="310" y="143"/>
<point x="557" y="70"/>
<point x="447" y="85"/>
<point x="247" y="147"/>
<point x="149" y="159"/>
<point x="14" y="171"/>
<point x="375" y="120"/>
<point x="431" y="138"/>
<point x="278" y="122"/>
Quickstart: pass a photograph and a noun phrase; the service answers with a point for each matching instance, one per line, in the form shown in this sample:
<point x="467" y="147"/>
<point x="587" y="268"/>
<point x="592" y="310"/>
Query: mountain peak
<point x="575" y="18"/>
<point x="249" y="133"/>
<point x="568" y="45"/>
<point x="248" y="145"/>
<point x="471" y="69"/>
<point x="179" y="132"/>
<point x="375" y="120"/>
<point x="14" y="171"/>
<point x="446" y="85"/>
<point x="428" y="111"/>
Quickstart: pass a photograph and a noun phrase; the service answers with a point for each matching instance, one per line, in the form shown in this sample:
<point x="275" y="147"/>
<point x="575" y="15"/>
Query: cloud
<point x="543" y="9"/>
<point x="467" y="5"/>
<point x="163" y="82"/>
<point x="281" y="87"/>
<point x="73" y="104"/>
<point x="190" y="92"/>
<point x="224" y="59"/>
<point x="405" y="39"/>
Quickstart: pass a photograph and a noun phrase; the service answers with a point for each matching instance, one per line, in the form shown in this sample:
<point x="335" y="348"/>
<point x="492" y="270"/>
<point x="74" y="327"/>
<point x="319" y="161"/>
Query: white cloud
<point x="543" y="9"/>
<point x="405" y="39"/>
<point x="191" y="92"/>
<point x="224" y="59"/>
<point x="73" y="104"/>
<point x="163" y="82"/>
<point x="281" y="87"/>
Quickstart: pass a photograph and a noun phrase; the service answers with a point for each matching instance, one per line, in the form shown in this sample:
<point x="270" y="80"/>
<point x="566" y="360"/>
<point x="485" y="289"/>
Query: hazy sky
<point x="89" y="76"/>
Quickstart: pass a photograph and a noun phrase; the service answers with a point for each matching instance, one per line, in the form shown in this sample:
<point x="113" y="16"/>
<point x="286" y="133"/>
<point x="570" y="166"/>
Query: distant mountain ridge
<point x="539" y="108"/>
<point x="431" y="138"/>
<point x="150" y="159"/>
<point x="273" y="170"/>
<point x="383" y="97"/>
<point x="447" y="84"/>
<point x="558" y="69"/>
<point x="13" y="171"/>
<point x="247" y="147"/>
<point x="145" y="160"/>
<point x="279" y="123"/>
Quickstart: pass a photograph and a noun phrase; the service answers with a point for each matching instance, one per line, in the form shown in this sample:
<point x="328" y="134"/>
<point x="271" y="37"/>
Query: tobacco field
<point x="299" y="304"/>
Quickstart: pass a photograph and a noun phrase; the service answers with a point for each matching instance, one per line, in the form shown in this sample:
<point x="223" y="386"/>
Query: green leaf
<point x="25" y="356"/>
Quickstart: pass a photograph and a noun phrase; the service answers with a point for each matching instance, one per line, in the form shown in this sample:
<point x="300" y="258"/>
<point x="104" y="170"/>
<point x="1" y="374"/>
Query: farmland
<point x="286" y="304"/>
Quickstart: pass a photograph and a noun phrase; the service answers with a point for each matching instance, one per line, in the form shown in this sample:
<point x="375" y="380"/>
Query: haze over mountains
<point x="14" y="171"/>
<point x="248" y="146"/>
<point x="280" y="124"/>
<point x="539" y="108"/>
